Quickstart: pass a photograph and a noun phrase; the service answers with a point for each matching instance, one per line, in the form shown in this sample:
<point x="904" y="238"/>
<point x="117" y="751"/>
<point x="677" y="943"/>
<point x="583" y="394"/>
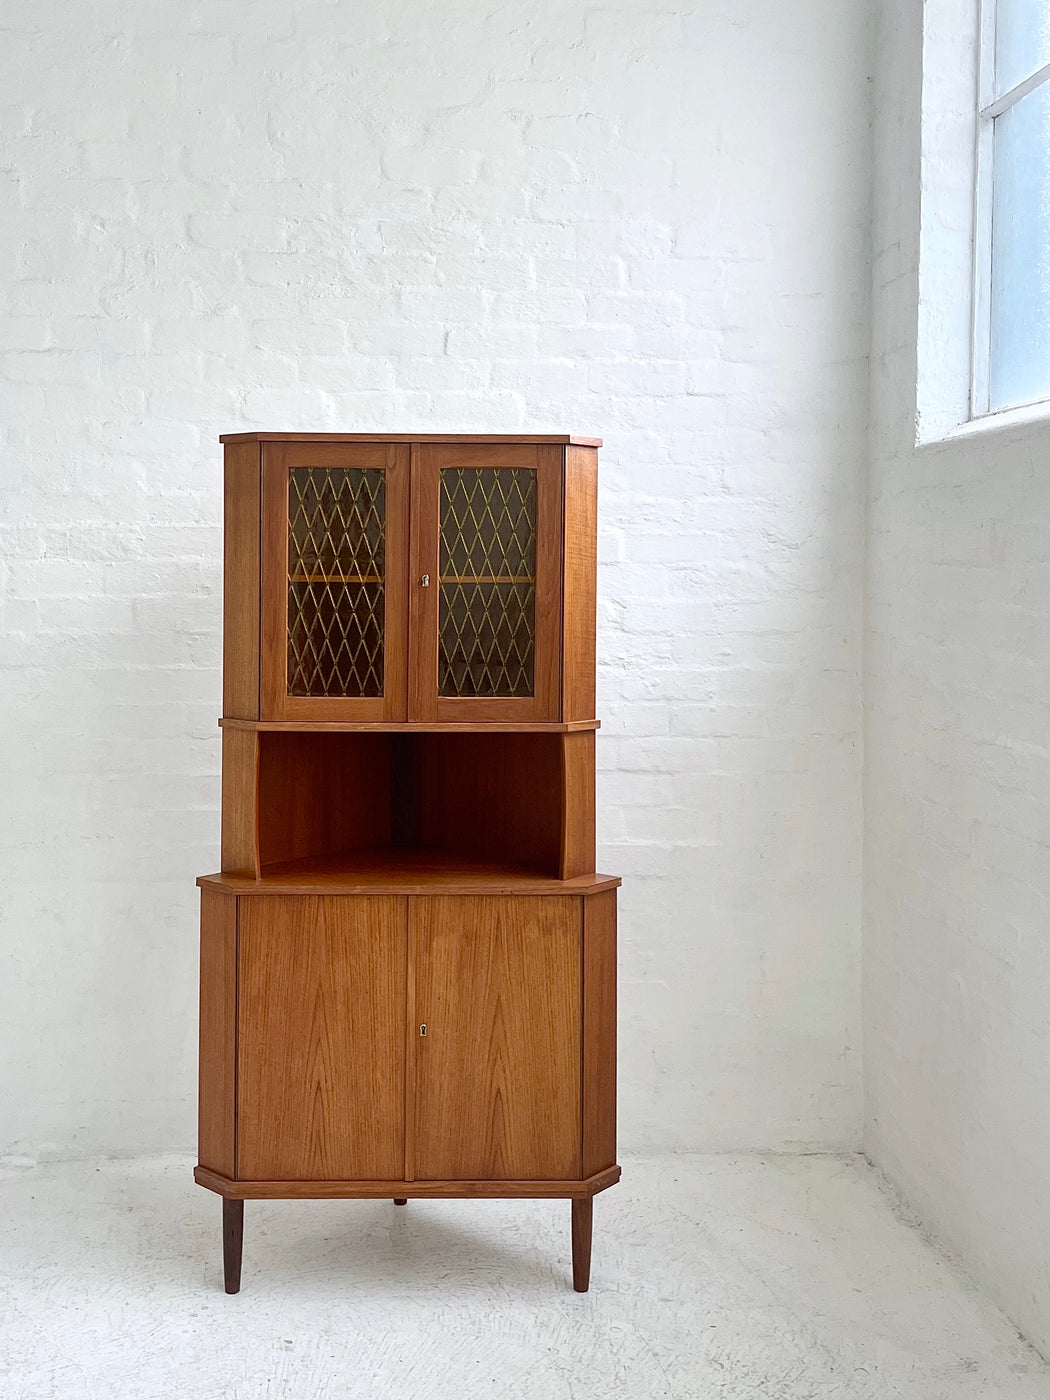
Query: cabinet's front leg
<point x="400" y="1200"/>
<point x="232" y="1240"/>
<point x="582" y="1215"/>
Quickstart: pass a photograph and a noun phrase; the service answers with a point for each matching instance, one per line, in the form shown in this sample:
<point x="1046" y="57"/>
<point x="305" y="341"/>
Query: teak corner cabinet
<point x="408" y="962"/>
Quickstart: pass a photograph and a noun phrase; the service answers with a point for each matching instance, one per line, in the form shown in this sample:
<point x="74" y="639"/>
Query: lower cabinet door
<point x="321" y="1041"/>
<point x="496" y="1088"/>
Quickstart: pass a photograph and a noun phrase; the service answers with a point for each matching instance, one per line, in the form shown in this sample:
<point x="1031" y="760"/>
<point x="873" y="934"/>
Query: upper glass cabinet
<point x="425" y="582"/>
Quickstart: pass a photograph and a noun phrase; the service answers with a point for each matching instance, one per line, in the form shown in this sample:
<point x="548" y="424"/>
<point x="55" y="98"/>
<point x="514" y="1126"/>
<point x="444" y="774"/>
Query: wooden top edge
<point x="283" y="726"/>
<point x="566" y="439"/>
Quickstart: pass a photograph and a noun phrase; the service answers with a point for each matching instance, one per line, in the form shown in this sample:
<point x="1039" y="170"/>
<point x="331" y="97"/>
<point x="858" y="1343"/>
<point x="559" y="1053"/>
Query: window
<point x="1011" y="360"/>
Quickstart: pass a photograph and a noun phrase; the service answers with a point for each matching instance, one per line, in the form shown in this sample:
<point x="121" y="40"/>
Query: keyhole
<point x="423" y="1028"/>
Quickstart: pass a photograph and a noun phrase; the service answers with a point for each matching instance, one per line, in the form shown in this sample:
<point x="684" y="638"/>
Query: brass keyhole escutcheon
<point x="423" y="1028"/>
<point x="424" y="582"/>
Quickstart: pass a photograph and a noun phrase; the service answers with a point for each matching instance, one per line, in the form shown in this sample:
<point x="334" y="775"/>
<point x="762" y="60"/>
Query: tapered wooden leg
<point x="582" y="1215"/>
<point x="232" y="1240"/>
<point x="400" y="1200"/>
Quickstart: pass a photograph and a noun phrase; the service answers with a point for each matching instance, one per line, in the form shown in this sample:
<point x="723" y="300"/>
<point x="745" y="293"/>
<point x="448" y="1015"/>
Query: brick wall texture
<point x="643" y="221"/>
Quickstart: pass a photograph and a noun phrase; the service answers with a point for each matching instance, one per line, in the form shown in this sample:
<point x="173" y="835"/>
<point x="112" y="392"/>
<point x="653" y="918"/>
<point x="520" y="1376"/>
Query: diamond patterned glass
<point x="336" y="580"/>
<point x="487" y="605"/>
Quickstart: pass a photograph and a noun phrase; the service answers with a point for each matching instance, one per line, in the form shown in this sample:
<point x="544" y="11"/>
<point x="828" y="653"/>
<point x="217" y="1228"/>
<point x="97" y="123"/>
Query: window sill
<point x="1026" y="416"/>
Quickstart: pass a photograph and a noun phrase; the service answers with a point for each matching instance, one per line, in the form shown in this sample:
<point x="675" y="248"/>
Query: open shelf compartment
<point x="457" y="802"/>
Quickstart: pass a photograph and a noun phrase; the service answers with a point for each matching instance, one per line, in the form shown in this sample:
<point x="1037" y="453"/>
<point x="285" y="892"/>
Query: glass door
<point x="487" y="582"/>
<point x="485" y="592"/>
<point x="334" y="554"/>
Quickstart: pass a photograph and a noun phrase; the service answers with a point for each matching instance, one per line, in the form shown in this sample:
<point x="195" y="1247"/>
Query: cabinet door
<point x="485" y="585"/>
<point x="334" y="576"/>
<point x="321" y="1042"/>
<point x="496" y="1089"/>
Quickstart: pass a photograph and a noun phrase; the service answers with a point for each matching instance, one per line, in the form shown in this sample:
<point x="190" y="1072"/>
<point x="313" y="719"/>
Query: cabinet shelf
<point x="405" y="870"/>
<point x="334" y="578"/>
<point x="487" y="578"/>
<point x="296" y="726"/>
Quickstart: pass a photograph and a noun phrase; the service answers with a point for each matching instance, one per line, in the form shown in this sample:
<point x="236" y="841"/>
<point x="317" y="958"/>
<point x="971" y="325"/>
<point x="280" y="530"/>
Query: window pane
<point x="336" y="580"/>
<point x="487" y="603"/>
<point x="1022" y="41"/>
<point x="1019" y="359"/>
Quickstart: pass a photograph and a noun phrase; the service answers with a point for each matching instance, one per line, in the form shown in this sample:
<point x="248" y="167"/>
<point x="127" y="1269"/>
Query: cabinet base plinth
<point x="403" y="1190"/>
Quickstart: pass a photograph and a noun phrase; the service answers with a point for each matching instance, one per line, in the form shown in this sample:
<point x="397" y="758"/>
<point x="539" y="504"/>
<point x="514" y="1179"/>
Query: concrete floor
<point x="715" y="1278"/>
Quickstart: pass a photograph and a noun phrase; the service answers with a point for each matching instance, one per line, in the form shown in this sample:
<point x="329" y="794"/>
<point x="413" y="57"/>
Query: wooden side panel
<point x="240" y="801"/>
<point x="599" y="1032"/>
<point x="497" y="1075"/>
<point x="240" y="586"/>
<point x="549" y="596"/>
<point x="322" y="793"/>
<point x="577" y="804"/>
<point x="581" y="582"/>
<point x="321" y="1039"/>
<point x="492" y="795"/>
<point x="216" y="1103"/>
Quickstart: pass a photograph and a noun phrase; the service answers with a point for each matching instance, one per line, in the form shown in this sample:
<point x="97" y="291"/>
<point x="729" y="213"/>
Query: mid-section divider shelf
<point x="416" y="871"/>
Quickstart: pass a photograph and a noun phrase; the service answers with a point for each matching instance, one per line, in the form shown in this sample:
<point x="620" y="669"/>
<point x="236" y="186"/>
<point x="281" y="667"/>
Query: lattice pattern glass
<point x="487" y="612"/>
<point x="336" y="581"/>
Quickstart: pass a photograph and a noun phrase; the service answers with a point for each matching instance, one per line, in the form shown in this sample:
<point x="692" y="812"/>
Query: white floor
<point x="714" y="1278"/>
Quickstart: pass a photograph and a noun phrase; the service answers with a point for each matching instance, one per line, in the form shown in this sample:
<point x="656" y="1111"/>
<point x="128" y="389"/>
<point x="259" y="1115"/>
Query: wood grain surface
<point x="240" y="580"/>
<point x="581" y="583"/>
<point x="391" y="870"/>
<point x="577" y="817"/>
<point x="293" y="726"/>
<point x="599" y="1032"/>
<point x="571" y="1189"/>
<point x="217" y="1062"/>
<point x="321" y="1038"/>
<point x="582" y="1221"/>
<point x="493" y="796"/>
<point x="497" y="1076"/>
<point x="322" y="793"/>
<point x="240" y="802"/>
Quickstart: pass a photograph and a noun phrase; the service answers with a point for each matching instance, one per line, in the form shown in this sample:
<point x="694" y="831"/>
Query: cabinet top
<point x="566" y="439"/>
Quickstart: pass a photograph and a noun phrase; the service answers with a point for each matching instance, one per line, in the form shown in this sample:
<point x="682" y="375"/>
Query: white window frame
<point x="989" y="108"/>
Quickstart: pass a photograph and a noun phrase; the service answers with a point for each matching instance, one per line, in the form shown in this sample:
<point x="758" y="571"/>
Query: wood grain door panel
<point x="496" y="1088"/>
<point x="321" y="1038"/>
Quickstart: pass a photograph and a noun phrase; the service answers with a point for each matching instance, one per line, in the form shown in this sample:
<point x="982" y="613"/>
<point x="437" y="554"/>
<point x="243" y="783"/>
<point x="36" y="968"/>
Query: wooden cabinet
<point x="407" y="959"/>
<point x="410" y="581"/>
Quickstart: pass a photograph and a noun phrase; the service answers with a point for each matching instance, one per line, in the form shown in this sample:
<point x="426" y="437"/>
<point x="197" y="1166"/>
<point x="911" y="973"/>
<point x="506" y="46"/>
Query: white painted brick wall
<point x="643" y="220"/>
<point x="957" y="689"/>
